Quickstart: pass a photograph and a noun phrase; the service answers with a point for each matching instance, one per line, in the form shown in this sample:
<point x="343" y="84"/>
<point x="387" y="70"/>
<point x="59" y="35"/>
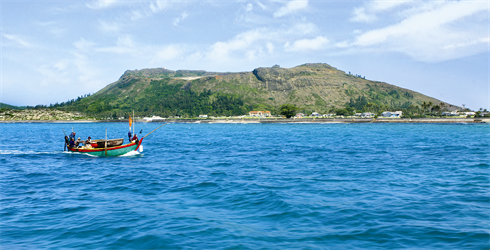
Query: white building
<point x="392" y="114"/>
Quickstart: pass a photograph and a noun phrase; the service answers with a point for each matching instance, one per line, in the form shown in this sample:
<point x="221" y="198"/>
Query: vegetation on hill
<point x="6" y="106"/>
<point x="189" y="93"/>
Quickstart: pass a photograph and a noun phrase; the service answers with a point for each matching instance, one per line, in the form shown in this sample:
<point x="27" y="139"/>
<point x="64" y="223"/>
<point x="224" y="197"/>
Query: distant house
<point x="259" y="113"/>
<point x="299" y="115"/>
<point x="314" y="114"/>
<point x="368" y="115"/>
<point x="203" y="116"/>
<point x="392" y="114"/>
<point x="452" y="113"/>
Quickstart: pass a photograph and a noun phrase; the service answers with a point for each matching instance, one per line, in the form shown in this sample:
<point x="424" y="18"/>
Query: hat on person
<point x="79" y="138"/>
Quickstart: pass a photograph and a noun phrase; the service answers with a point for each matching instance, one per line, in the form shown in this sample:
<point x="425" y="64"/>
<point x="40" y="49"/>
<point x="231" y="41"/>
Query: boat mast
<point x="105" y="144"/>
<point x="133" y="121"/>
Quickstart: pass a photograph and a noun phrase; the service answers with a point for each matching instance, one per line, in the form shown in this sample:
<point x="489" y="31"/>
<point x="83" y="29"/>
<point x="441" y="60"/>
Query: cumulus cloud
<point x="221" y="50"/>
<point x="317" y="43"/>
<point x="291" y="7"/>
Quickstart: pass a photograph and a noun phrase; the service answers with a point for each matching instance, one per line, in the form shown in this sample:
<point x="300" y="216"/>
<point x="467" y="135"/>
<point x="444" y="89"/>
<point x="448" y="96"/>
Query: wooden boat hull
<point x="111" y="151"/>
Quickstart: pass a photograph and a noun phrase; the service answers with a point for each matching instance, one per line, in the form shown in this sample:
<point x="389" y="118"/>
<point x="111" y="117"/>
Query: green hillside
<point x="188" y="93"/>
<point x="7" y="106"/>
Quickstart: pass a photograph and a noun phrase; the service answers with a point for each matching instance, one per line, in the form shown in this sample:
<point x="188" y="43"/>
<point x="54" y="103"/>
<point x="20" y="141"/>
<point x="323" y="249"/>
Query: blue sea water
<point x="248" y="186"/>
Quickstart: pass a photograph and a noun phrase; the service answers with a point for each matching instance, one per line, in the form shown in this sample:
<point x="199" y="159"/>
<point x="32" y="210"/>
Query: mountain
<point x="7" y="106"/>
<point x="311" y="87"/>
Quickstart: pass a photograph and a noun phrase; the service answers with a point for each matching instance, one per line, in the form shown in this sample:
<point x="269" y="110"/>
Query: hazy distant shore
<point x="279" y="120"/>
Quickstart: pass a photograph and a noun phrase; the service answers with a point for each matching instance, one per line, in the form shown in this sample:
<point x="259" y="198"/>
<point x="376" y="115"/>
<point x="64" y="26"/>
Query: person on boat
<point x="72" y="135"/>
<point x="77" y="143"/>
<point x="129" y="135"/>
<point x="67" y="140"/>
<point x="72" y="142"/>
<point x="135" y="138"/>
<point x="87" y="142"/>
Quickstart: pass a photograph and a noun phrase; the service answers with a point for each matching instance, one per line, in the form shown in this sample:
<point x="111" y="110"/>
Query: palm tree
<point x="429" y="105"/>
<point x="442" y="105"/>
<point x="437" y="108"/>
<point x="424" y="106"/>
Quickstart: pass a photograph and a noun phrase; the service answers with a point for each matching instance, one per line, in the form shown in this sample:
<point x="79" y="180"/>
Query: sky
<point x="54" y="51"/>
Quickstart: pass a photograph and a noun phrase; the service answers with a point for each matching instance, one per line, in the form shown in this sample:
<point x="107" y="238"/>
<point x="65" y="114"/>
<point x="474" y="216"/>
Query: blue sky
<point x="53" y="51"/>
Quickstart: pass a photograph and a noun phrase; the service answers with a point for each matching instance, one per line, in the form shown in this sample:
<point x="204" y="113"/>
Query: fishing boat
<point x="111" y="147"/>
<point x="108" y="151"/>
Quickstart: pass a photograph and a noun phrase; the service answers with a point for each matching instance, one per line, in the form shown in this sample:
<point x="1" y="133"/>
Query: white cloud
<point x="158" y="5"/>
<point x="101" y="4"/>
<point x="427" y="35"/>
<point x="180" y="18"/>
<point x="249" y="7"/>
<point x="368" y="13"/>
<point x="17" y="40"/>
<point x="291" y="7"/>
<point x="384" y="5"/>
<point x="147" y="10"/>
<point x="221" y="50"/>
<point x="260" y="42"/>
<point x="261" y="5"/>
<point x="317" y="43"/>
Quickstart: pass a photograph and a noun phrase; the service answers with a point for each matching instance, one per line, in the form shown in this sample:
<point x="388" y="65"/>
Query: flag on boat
<point x="130" y="123"/>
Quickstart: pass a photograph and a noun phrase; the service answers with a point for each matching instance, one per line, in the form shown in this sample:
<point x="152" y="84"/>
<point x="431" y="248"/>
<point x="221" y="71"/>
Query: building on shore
<point x="259" y="113"/>
<point x="396" y="114"/>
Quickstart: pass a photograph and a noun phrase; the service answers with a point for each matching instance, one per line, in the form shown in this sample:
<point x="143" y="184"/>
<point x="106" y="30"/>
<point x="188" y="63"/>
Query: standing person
<point x="129" y="135"/>
<point x="72" y="135"/>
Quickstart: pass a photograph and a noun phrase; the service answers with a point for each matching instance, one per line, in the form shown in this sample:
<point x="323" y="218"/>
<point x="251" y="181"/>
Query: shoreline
<point x="278" y="120"/>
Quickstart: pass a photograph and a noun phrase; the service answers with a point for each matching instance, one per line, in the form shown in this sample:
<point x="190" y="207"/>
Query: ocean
<point x="248" y="186"/>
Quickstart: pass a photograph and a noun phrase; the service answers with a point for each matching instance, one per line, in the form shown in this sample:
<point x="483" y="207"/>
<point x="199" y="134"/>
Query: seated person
<point x="87" y="142"/>
<point x="72" y="142"/>
<point x="77" y="143"/>
<point x="135" y="138"/>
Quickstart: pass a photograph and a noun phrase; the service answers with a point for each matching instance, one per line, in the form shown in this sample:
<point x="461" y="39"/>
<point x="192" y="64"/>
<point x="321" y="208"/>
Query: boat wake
<point x="18" y="152"/>
<point x="131" y="153"/>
